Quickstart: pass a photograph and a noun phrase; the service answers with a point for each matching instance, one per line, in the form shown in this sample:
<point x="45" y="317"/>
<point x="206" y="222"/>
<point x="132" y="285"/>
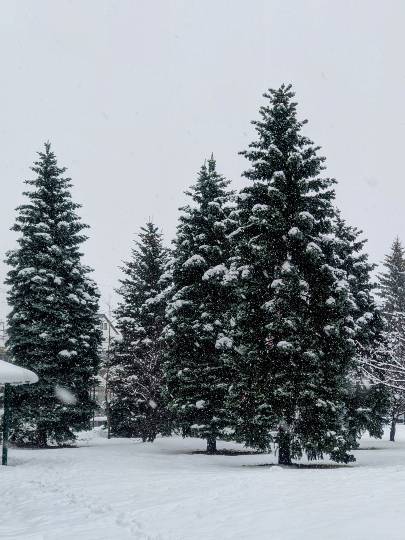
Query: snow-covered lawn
<point x="124" y="489"/>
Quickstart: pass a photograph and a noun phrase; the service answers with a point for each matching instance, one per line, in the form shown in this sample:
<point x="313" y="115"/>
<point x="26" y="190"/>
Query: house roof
<point x="104" y="316"/>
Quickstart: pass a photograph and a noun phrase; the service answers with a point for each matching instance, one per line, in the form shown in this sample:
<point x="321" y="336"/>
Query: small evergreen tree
<point x="53" y="325"/>
<point x="392" y="293"/>
<point x="196" y="333"/>
<point x="293" y="337"/>
<point x="367" y="405"/>
<point x="137" y="407"/>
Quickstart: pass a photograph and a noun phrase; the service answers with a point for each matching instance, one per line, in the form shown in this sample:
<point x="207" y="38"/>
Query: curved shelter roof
<point x="15" y="375"/>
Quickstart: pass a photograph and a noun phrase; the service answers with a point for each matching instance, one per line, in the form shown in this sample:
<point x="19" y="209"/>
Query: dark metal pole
<point x="107" y="377"/>
<point x="6" y="423"/>
<point x="94" y="409"/>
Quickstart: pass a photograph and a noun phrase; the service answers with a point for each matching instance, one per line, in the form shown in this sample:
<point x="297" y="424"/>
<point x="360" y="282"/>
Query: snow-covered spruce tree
<point x="392" y="294"/>
<point x="293" y="337"/>
<point x="196" y="333"/>
<point x="137" y="406"/>
<point x="53" y="325"/>
<point x="367" y="404"/>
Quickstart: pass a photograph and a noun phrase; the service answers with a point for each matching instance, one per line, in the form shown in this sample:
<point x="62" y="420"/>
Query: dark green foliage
<point x="196" y="334"/>
<point x="367" y="405"/>
<point x="137" y="407"/>
<point x="53" y="324"/>
<point x="367" y="408"/>
<point x="294" y="326"/>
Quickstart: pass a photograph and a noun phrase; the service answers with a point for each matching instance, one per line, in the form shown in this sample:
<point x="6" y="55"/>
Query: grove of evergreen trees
<point x="260" y="325"/>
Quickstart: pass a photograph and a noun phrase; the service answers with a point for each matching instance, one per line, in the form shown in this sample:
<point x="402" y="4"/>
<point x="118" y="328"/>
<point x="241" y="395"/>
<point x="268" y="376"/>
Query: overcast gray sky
<point x="134" y="94"/>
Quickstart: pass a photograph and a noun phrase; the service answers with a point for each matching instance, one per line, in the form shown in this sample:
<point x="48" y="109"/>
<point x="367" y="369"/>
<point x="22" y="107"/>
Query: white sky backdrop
<point x="134" y="94"/>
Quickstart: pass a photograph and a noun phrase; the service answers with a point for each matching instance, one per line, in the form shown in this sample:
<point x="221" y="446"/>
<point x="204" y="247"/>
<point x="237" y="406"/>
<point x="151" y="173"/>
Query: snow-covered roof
<point x="11" y="374"/>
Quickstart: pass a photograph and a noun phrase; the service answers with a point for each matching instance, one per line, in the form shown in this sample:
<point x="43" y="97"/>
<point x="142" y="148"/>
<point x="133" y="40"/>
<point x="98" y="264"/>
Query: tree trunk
<point x="393" y="429"/>
<point x="284" y="450"/>
<point x="42" y="439"/>
<point x="211" y="445"/>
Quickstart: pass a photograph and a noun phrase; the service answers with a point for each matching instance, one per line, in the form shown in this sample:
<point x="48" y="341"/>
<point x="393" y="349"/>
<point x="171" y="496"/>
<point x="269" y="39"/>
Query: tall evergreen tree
<point x="53" y="325"/>
<point x="392" y="293"/>
<point x="196" y="334"/>
<point x="137" y="407"/>
<point x="294" y="328"/>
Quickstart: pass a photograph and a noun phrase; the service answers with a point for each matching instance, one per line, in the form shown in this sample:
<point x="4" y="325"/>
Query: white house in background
<point x="3" y="334"/>
<point x="108" y="330"/>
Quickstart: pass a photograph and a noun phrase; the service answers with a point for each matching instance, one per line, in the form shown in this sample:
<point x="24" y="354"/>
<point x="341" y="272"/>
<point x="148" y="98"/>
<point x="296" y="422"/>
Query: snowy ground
<point x="123" y="489"/>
